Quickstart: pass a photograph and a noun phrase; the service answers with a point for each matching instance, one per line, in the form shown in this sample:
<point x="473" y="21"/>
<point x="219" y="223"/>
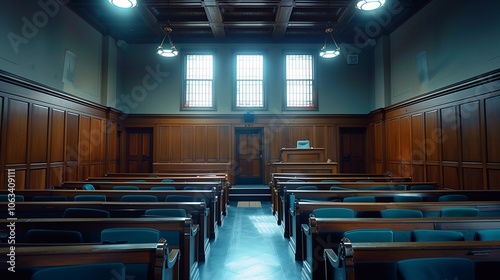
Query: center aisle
<point x="250" y="245"/>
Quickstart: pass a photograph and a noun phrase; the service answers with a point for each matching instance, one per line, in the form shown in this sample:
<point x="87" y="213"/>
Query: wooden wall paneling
<point x="225" y="144"/>
<point x="37" y="178"/>
<point x="112" y="150"/>
<point x="296" y="133"/>
<point x="393" y="140"/>
<point x="187" y="146"/>
<point x="473" y="178"/>
<point x="331" y="144"/>
<point x="212" y="143"/>
<point x="57" y="136"/>
<point x="493" y="179"/>
<point x="71" y="172"/>
<point x="449" y="137"/>
<point x="406" y="136"/>
<point x="319" y="132"/>
<point x="433" y="174"/>
<point x="3" y="179"/>
<point x="72" y="135"/>
<point x="162" y="144"/>
<point x="417" y="137"/>
<point x="200" y="144"/>
<point x="84" y="140"/>
<point x="406" y="170"/>
<point x="17" y="132"/>
<point x="433" y="137"/>
<point x="308" y="133"/>
<point x="470" y="120"/>
<point x="39" y="133"/>
<point x="451" y="177"/>
<point x="96" y="140"/>
<point x="20" y="174"/>
<point x="272" y="142"/>
<point x="175" y="140"/>
<point x="418" y="172"/>
<point x="55" y="175"/>
<point x="492" y="120"/>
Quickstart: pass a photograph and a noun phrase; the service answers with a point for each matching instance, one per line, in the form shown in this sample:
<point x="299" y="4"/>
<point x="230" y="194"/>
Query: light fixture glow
<point x="368" y="5"/>
<point x="326" y="52"/>
<point x="126" y="4"/>
<point x="167" y="52"/>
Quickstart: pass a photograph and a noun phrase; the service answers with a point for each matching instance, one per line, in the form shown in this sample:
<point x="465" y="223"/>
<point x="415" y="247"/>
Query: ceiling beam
<point x="214" y="16"/>
<point x="283" y="14"/>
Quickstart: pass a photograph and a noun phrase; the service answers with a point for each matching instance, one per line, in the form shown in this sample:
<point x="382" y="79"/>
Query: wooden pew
<point x="216" y="167"/>
<point x="301" y="211"/>
<point x="92" y="227"/>
<point x="376" y="260"/>
<point x="161" y="261"/>
<point x="326" y="233"/>
<point x="284" y="187"/>
<point x="217" y="186"/>
<point x="45" y="209"/>
<point x="115" y="195"/>
<point x="318" y="177"/>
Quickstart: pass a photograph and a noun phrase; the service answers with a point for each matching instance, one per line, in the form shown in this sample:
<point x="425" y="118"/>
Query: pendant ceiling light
<point x="332" y="51"/>
<point x="368" y="5"/>
<point x="167" y="52"/>
<point x="126" y="4"/>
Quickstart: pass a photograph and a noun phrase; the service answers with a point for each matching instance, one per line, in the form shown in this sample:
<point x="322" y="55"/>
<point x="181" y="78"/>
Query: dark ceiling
<point x="196" y="21"/>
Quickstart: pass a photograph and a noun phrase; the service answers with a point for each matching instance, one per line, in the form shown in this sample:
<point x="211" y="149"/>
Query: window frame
<point x="315" y="102"/>
<point x="235" y="79"/>
<point x="183" y="106"/>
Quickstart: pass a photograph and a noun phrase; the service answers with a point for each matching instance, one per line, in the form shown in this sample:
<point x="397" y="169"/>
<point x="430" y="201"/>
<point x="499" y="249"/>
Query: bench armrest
<point x="173" y="256"/>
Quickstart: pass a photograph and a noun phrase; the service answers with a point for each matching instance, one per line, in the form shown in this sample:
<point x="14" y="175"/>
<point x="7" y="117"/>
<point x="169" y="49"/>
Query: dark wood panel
<point x="39" y="133"/>
<point x="163" y="141"/>
<point x="96" y="140"/>
<point x="494" y="179"/>
<point x="175" y="141"/>
<point x="55" y="176"/>
<point x="451" y="177"/>
<point x="212" y="140"/>
<point x="37" y="179"/>
<point x="432" y="140"/>
<point x="406" y="136"/>
<point x="393" y="140"/>
<point x="17" y="132"/>
<point x="84" y="140"/>
<point x="433" y="174"/>
<point x="417" y="137"/>
<point x="57" y="136"/>
<point x="471" y="132"/>
<point x="225" y="140"/>
<point x="449" y="138"/>
<point x="492" y="119"/>
<point x="200" y="144"/>
<point x="418" y="173"/>
<point x="72" y="129"/>
<point x="378" y="143"/>
<point x="187" y="144"/>
<point x="320" y="137"/>
<point x="473" y="178"/>
<point x="112" y="150"/>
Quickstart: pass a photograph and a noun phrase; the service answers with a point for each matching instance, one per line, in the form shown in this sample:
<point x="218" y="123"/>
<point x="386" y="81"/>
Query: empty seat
<point x="311" y="188"/>
<point x="166" y="212"/>
<point x="49" y="198"/>
<point x="459" y="212"/>
<point x="100" y="271"/>
<point x="362" y="198"/>
<point x="407" y="198"/>
<point x="337" y="188"/>
<point x="187" y="188"/>
<point x="53" y="236"/>
<point x="167" y="180"/>
<point x="453" y="197"/>
<point x="130" y="235"/>
<point x="88" y="187"/>
<point x="431" y="235"/>
<point x="401" y="213"/>
<point x="90" y="197"/>
<point x="330" y="180"/>
<point x="435" y="269"/>
<point x="334" y="213"/>
<point x="6" y="198"/>
<point x="163" y="188"/>
<point x="369" y="235"/>
<point x="422" y="187"/>
<point x="488" y="235"/>
<point x="85" y="213"/>
<point x="138" y="180"/>
<point x="182" y="198"/>
<point x="139" y="198"/>
<point x="381" y="188"/>
<point x="124" y="188"/>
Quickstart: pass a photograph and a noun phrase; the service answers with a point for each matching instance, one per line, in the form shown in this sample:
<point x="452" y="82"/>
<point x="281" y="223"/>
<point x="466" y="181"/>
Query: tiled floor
<point x="250" y="245"/>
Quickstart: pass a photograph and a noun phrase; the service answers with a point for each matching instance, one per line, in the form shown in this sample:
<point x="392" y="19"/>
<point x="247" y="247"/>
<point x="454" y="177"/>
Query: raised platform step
<point x="249" y="193"/>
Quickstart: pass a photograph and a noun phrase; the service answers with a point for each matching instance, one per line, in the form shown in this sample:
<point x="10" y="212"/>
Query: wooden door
<point x="140" y="150"/>
<point x="352" y="150"/>
<point x="248" y="154"/>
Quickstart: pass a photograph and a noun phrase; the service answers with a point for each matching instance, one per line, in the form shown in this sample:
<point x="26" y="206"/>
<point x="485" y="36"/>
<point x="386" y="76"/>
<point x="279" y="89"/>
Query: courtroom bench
<point x="377" y="260"/>
<point x="302" y="210"/>
<point x="326" y="233"/>
<point x="211" y="200"/>
<point x="180" y="233"/>
<point x="161" y="261"/>
<point x="55" y="209"/>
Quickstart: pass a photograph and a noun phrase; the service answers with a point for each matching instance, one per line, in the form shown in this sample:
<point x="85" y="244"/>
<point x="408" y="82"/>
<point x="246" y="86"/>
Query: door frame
<point x="249" y="130"/>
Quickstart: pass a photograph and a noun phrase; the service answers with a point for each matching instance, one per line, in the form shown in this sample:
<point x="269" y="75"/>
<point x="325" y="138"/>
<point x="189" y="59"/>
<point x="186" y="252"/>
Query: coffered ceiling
<point x="290" y="21"/>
